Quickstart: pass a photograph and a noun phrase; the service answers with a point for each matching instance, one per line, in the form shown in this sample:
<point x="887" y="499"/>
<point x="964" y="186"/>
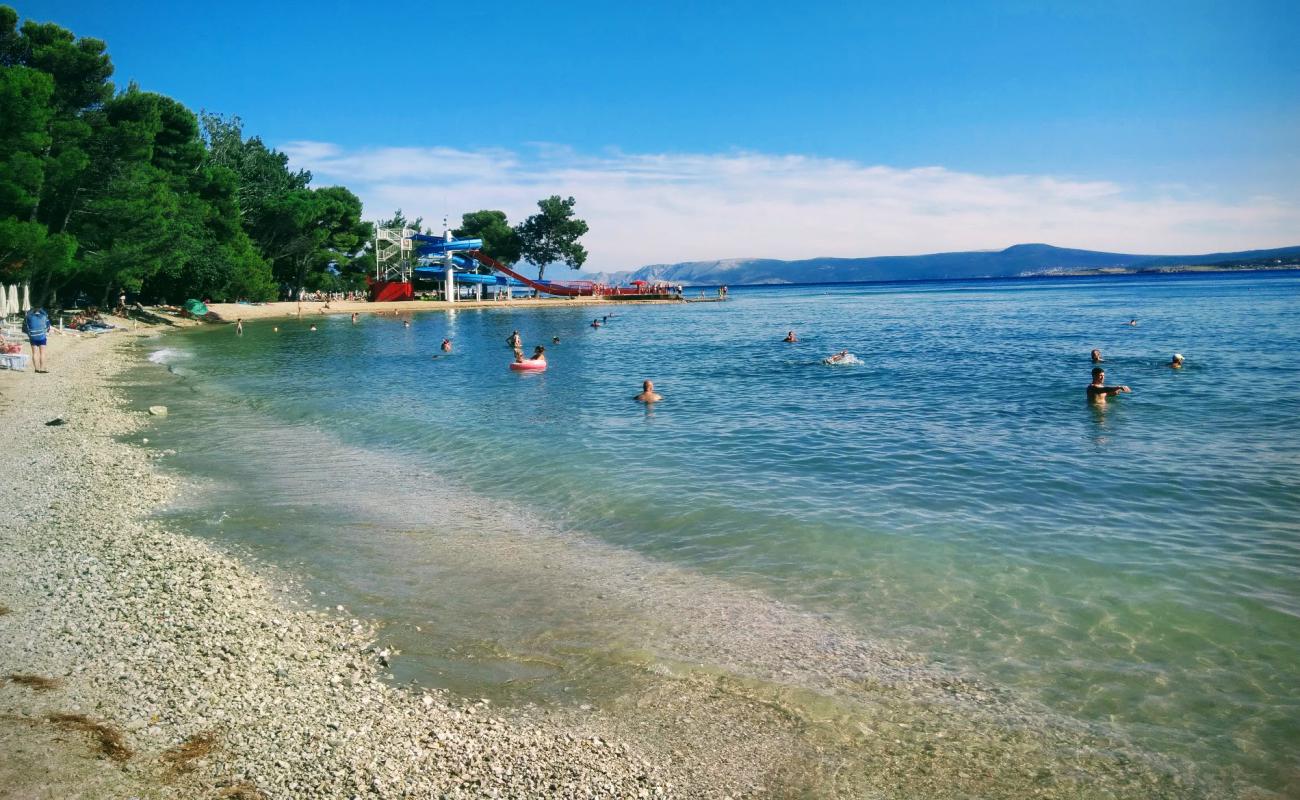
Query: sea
<point x="944" y="503"/>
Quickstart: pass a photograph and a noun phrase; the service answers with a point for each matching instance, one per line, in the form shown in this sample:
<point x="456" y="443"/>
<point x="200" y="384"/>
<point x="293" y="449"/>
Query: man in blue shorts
<point x="37" y="327"/>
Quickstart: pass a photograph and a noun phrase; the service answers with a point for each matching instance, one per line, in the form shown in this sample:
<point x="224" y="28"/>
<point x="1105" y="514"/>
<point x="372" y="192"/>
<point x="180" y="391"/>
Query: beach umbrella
<point x="13" y="299"/>
<point x="27" y="296"/>
<point x="4" y="302"/>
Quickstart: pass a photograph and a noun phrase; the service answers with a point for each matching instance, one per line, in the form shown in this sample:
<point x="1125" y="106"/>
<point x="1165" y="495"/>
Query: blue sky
<point x="1070" y="120"/>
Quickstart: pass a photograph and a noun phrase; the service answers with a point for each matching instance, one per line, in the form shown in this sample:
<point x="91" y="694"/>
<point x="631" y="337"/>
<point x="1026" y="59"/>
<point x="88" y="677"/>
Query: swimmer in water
<point x="406" y="323"/>
<point x="648" y="393"/>
<point x="838" y="357"/>
<point x="239" y="327"/>
<point x="276" y="329"/>
<point x="539" y="354"/>
<point x="1176" y="362"/>
<point x="1096" y="357"/>
<point x="555" y="340"/>
<point x="595" y="323"/>
<point x="790" y="337"/>
<point x="515" y="340"/>
<point x="446" y="345"/>
<point x="1098" y="391"/>
<point x="313" y="327"/>
<point x="354" y="318"/>
<point x="1132" y="323"/>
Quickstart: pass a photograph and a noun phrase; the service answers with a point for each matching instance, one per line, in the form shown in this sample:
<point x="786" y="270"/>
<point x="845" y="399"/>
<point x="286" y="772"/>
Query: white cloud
<point x="668" y="207"/>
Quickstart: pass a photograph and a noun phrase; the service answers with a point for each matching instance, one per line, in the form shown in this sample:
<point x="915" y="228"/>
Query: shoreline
<point x="219" y="674"/>
<point x="229" y="312"/>
<point x="213" y="677"/>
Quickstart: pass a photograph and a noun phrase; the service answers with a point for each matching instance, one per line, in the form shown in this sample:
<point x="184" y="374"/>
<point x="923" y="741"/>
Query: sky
<point x="701" y="131"/>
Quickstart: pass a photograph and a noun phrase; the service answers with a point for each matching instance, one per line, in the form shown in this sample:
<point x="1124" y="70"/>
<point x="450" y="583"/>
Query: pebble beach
<point x="141" y="661"/>
<point x="137" y="662"/>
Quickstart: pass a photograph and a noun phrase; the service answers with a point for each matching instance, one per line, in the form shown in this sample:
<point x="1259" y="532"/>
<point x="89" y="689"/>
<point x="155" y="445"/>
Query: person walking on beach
<point x="1098" y="391"/>
<point x="648" y="393"/>
<point x="36" y="324"/>
<point x="1096" y="357"/>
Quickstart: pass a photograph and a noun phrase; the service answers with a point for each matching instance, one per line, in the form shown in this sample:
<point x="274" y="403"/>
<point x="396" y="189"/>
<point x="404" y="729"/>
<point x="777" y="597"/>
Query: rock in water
<point x="158" y="411"/>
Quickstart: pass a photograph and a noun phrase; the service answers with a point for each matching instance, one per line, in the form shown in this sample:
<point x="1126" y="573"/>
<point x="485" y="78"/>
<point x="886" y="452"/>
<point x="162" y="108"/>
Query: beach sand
<point x="137" y="661"/>
<point x="142" y="663"/>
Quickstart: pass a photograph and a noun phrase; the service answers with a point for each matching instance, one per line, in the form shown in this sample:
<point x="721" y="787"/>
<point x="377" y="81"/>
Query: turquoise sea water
<point x="952" y="494"/>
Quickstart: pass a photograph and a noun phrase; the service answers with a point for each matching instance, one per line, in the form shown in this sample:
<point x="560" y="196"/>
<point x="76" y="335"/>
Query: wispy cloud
<point x="666" y="207"/>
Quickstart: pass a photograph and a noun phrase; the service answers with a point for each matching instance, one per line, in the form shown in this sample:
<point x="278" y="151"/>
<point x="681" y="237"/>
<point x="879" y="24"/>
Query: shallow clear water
<point x="951" y="493"/>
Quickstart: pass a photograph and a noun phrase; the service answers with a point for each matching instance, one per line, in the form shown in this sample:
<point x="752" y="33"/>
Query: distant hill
<point x="1015" y="261"/>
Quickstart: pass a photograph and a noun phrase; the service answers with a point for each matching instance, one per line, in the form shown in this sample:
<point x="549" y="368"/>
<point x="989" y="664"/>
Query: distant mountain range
<point x="1020" y="260"/>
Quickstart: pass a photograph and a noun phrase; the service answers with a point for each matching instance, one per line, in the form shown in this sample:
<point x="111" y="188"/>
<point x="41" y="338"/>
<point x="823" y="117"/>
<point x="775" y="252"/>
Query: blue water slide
<point x="436" y="245"/>
<point x="438" y="275"/>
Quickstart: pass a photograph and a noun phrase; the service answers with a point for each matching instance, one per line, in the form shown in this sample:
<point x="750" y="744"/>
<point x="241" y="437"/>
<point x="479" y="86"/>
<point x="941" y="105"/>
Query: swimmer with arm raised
<point x="1098" y="391"/>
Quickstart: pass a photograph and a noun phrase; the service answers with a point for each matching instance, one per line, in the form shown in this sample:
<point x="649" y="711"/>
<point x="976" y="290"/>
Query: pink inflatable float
<point x="529" y="365"/>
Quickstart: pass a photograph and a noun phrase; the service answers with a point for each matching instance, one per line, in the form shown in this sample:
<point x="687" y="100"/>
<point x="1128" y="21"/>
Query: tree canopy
<point x="500" y="241"/>
<point x="102" y="189"/>
<point x="551" y="235"/>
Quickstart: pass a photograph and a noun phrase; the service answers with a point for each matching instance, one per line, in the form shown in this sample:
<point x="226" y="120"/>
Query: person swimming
<point x="354" y="318"/>
<point x="406" y="323"/>
<point x="1098" y="391"/>
<point x="648" y="393"/>
<point x="595" y="323"/>
<point x="1132" y="323"/>
<point x="555" y="340"/>
<point x="1176" y="361"/>
<point x="790" y="337"/>
<point x="838" y="357"/>
<point x="446" y="345"/>
<point x="1096" y="357"/>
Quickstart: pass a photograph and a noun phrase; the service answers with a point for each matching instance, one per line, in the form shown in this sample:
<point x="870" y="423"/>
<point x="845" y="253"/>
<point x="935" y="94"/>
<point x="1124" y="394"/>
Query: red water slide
<point x="568" y="289"/>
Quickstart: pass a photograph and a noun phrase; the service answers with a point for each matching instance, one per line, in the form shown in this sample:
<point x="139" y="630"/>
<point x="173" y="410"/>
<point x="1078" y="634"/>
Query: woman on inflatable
<point x="536" y="363"/>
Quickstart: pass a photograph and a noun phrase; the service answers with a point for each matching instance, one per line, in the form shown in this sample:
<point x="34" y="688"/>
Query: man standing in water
<point x="648" y="394"/>
<point x="1098" y="391"/>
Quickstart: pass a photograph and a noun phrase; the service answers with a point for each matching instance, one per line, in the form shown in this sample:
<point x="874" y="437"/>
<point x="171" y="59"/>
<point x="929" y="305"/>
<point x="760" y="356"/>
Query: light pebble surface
<point x="162" y="637"/>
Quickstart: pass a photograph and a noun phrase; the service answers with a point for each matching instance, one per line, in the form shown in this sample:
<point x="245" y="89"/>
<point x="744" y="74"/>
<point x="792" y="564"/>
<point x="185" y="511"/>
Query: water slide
<point x="570" y="289"/>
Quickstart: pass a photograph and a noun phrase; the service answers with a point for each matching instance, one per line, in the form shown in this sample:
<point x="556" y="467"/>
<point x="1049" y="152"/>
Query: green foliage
<point x="551" y="236"/>
<point x="101" y="190"/>
<point x="500" y="241"/>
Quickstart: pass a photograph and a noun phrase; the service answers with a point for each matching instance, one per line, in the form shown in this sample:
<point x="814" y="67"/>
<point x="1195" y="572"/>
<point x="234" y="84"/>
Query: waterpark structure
<point x="404" y="256"/>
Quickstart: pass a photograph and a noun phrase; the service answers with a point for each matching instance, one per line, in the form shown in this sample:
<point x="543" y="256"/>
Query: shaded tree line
<point x="102" y="189"/>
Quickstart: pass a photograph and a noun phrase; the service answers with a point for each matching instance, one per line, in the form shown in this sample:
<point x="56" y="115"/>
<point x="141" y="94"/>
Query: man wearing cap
<point x="1176" y="362"/>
